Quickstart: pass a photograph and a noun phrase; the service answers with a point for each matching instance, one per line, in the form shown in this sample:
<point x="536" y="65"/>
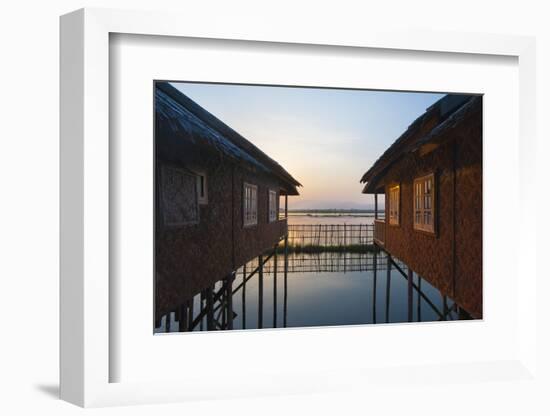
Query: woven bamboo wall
<point x="459" y="215"/>
<point x="192" y="257"/>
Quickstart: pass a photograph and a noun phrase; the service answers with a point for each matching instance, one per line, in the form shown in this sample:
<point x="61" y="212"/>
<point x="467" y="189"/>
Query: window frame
<point x="275" y="209"/>
<point x="422" y="226"/>
<point x="394" y="220"/>
<point x="164" y="173"/>
<point x="249" y="222"/>
<point x="202" y="199"/>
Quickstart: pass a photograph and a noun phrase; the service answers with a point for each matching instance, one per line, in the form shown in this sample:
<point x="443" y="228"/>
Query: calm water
<point x="328" y="289"/>
<point x="295" y="218"/>
<point x="324" y="289"/>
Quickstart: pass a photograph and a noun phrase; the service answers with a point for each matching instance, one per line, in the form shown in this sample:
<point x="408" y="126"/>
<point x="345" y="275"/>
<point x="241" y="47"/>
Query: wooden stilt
<point x="261" y="292"/>
<point x="419" y="301"/>
<point x="167" y="321"/>
<point x="223" y="303"/>
<point x="251" y="275"/>
<point x="275" y="289"/>
<point x="183" y="317"/>
<point x="285" y="275"/>
<point x="410" y="275"/>
<point x="426" y="299"/>
<point x="374" y="277"/>
<point x="243" y="301"/>
<point x="210" y="309"/>
<point x="388" y="288"/>
<point x="229" y="301"/>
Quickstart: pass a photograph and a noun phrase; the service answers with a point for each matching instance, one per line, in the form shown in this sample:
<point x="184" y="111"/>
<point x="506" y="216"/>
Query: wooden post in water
<point x="167" y="321"/>
<point x="275" y="289"/>
<point x="374" y="264"/>
<point x="183" y="320"/>
<point x="418" y="300"/>
<point x="243" y="301"/>
<point x="410" y="275"/>
<point x="209" y="309"/>
<point x="261" y="292"/>
<point x="191" y="313"/>
<point x="203" y="297"/>
<point x="285" y="275"/>
<point x="223" y="303"/>
<point x="376" y="205"/>
<point x="229" y="303"/>
<point x="388" y="287"/>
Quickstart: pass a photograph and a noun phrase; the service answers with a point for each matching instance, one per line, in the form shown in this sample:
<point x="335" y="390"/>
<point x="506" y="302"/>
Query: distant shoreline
<point x="331" y="211"/>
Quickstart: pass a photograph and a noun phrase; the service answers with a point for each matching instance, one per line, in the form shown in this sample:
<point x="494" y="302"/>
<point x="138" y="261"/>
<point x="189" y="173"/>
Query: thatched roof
<point x="181" y="123"/>
<point x="427" y="128"/>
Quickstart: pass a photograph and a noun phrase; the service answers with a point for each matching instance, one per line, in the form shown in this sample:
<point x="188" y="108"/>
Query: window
<point x="179" y="202"/>
<point x="250" y="205"/>
<point x="424" y="203"/>
<point x="394" y="205"/>
<point x="272" y="204"/>
<point x="202" y="190"/>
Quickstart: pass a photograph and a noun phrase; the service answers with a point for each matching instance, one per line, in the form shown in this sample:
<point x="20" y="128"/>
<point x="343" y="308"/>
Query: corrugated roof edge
<point x="450" y="111"/>
<point x="237" y="139"/>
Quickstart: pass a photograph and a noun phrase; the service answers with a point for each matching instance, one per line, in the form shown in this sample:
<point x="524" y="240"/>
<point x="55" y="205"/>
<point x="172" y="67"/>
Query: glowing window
<point x="393" y="195"/>
<point x="423" y="204"/>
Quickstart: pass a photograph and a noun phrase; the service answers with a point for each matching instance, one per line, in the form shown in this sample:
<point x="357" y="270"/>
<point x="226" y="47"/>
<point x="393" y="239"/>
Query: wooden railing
<point x="330" y="234"/>
<point x="379" y="232"/>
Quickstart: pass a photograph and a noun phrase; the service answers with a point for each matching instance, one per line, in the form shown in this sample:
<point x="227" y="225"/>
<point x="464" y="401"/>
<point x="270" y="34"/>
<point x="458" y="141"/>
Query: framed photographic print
<point x="268" y="251"/>
<point x="295" y="210"/>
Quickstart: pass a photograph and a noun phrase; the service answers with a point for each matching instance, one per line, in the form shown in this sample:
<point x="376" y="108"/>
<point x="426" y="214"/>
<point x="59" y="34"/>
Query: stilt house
<point x="217" y="199"/>
<point x="431" y="177"/>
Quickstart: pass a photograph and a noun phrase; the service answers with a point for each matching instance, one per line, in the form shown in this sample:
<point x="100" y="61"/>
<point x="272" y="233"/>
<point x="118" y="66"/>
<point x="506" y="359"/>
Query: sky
<point x="325" y="138"/>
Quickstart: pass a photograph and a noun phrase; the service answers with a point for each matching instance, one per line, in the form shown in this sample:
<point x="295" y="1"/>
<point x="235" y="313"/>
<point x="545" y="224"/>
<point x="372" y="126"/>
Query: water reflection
<point x="314" y="289"/>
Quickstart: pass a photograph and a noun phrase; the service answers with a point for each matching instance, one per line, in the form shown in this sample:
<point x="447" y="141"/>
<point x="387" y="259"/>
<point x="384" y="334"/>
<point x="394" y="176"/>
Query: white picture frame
<point x="86" y="261"/>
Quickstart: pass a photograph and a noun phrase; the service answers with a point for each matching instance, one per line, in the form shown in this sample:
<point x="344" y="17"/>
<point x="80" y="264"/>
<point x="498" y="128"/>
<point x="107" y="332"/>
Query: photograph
<point x="299" y="206"/>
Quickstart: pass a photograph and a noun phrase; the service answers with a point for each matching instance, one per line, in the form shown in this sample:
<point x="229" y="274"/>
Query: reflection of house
<point x="217" y="199"/>
<point x="432" y="181"/>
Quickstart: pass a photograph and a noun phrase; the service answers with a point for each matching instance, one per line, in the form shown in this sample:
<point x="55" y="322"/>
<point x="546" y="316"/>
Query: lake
<point x="324" y="289"/>
<point x="327" y="289"/>
<point x="298" y="218"/>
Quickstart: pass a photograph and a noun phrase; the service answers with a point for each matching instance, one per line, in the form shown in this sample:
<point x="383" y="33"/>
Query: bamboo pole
<point x="374" y="265"/>
<point x="275" y="291"/>
<point x="251" y="275"/>
<point x="209" y="309"/>
<point x="167" y="321"/>
<point x="229" y="295"/>
<point x="418" y="300"/>
<point x="388" y="288"/>
<point x="426" y="299"/>
<point x="445" y="308"/>
<point x="285" y="300"/>
<point x="260" y="292"/>
<point x="189" y="320"/>
<point x="409" y="294"/>
<point x="243" y="301"/>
